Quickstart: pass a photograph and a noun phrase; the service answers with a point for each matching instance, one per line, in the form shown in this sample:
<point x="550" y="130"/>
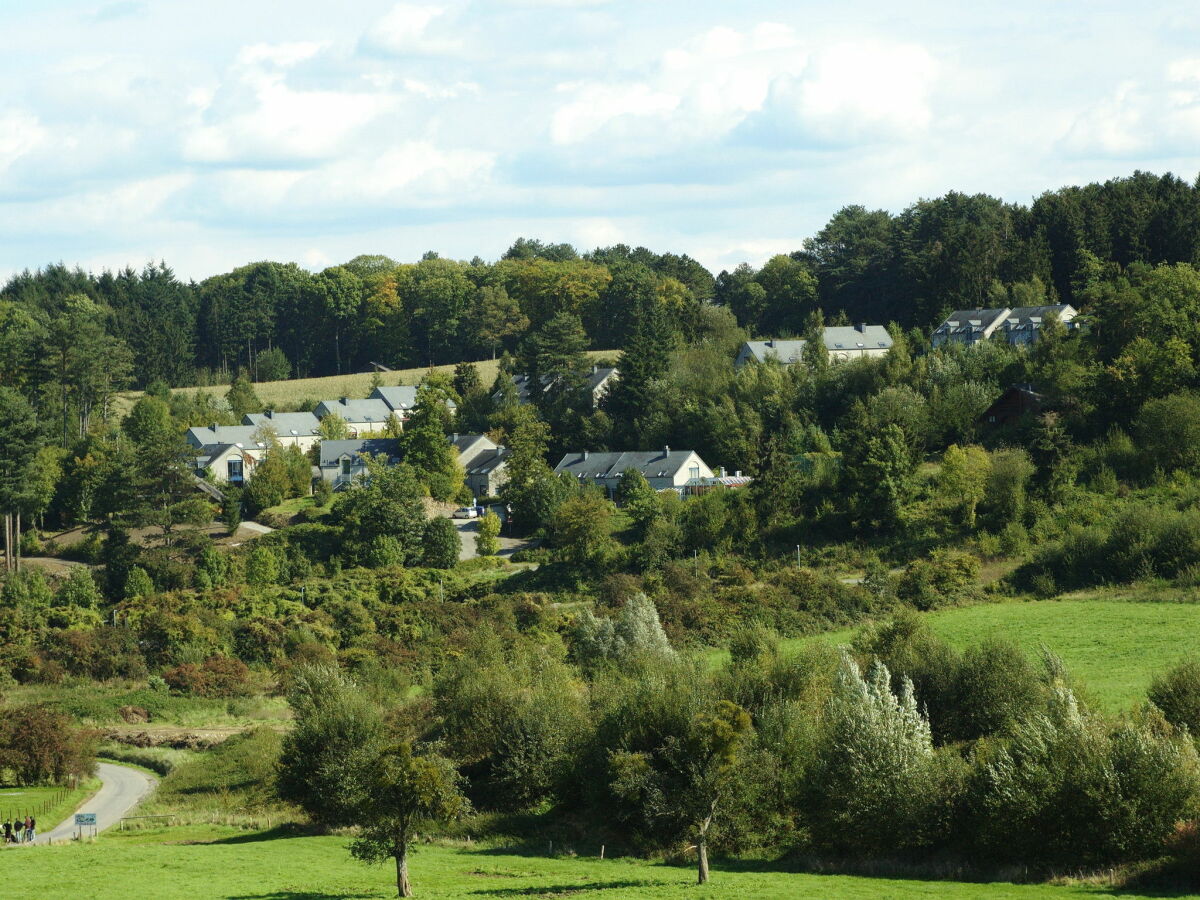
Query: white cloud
<point x="1159" y="119"/>
<point x="20" y="133"/>
<point x="256" y="116"/>
<point x="405" y="29"/>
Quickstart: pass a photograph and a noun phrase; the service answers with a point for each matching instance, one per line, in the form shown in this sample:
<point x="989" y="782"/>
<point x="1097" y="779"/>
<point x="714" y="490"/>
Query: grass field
<point x="288" y="393"/>
<point x="1113" y="647"/>
<point x="49" y="805"/>
<point x="197" y="863"/>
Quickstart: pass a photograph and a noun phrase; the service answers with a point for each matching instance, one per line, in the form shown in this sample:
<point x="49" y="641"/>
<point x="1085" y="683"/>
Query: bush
<point x="1068" y="791"/>
<point x="947" y="577"/>
<point x="1177" y="695"/>
<point x="877" y="788"/>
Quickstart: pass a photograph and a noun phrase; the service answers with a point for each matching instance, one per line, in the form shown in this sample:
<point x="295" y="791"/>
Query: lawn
<point x="196" y="863"/>
<point x="49" y="805"/>
<point x="1113" y="647"/>
<point x="289" y="393"/>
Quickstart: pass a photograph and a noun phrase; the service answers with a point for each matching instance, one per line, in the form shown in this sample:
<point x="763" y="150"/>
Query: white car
<point x="466" y="512"/>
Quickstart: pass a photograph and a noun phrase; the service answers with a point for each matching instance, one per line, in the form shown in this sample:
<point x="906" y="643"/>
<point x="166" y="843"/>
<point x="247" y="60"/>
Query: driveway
<point x="122" y="789"/>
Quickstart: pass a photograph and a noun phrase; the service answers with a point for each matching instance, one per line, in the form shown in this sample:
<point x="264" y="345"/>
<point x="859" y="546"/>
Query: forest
<point x="648" y="671"/>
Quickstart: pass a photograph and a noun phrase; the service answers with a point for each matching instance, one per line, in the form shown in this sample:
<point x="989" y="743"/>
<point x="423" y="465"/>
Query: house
<point x="401" y="398"/>
<point x="598" y="382"/>
<point x="968" y="326"/>
<point x="362" y="416"/>
<point x="229" y="463"/>
<point x="842" y="342"/>
<point x="297" y="428"/>
<point x="1016" y="403"/>
<point x="1022" y="325"/>
<point x="483" y="461"/>
<point x="343" y="461"/>
<point x="664" y="469"/>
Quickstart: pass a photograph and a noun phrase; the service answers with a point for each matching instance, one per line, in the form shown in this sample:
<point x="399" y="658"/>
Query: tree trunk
<point x="403" y="888"/>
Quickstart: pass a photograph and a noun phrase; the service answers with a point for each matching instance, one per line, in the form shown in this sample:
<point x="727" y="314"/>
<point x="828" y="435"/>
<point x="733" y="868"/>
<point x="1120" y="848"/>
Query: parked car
<point x="467" y="512"/>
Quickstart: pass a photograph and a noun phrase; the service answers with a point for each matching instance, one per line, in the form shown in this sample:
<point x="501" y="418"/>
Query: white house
<point x="362" y="416"/>
<point x="842" y="342"/>
<point x="296" y="428"/>
<point x="401" y="399"/>
<point x="663" y="469"/>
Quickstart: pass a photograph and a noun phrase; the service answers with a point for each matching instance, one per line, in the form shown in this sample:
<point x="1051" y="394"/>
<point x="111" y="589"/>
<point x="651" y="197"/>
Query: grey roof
<point x="1026" y="316"/>
<point x="401" y="397"/>
<point x="332" y="451"/>
<point x="284" y="424"/>
<point x="594" y="379"/>
<point x="487" y="461"/>
<point x="222" y="434"/>
<point x="969" y="320"/>
<point x="470" y="446"/>
<point x="837" y="338"/>
<point x="370" y="411"/>
<point x="651" y="463"/>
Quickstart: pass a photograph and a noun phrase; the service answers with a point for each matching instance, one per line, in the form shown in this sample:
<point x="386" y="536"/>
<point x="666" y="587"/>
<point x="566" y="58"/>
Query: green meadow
<point x="203" y="863"/>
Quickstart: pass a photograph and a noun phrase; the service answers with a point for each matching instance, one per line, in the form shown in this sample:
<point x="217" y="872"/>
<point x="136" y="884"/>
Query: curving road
<point x="121" y="790"/>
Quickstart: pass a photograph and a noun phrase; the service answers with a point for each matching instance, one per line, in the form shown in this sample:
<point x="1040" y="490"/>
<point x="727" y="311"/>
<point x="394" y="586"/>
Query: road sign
<point x="88" y="819"/>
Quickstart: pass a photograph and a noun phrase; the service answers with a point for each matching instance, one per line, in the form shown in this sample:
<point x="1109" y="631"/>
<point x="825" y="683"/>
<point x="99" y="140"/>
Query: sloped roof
<point x="651" y="463"/>
<point x="371" y="411"/>
<point x="284" y="424"/>
<point x="332" y="451"/>
<point x="207" y="436"/>
<point x="971" y="319"/>
<point x="837" y="338"/>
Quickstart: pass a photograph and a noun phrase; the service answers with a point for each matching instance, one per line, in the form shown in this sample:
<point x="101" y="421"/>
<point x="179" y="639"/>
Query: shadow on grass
<point x="278" y="833"/>
<point x="563" y="890"/>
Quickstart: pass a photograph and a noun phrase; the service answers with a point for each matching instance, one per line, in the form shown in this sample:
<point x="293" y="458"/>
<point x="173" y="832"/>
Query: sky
<point x="218" y="133"/>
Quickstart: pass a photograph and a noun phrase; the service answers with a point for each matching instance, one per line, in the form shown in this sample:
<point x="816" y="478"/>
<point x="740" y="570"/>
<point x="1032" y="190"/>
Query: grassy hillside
<point x="204" y="862"/>
<point x="289" y="393"/>
<point x="1113" y="646"/>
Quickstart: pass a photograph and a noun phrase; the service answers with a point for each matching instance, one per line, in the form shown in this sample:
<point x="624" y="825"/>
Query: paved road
<point x="122" y="789"/>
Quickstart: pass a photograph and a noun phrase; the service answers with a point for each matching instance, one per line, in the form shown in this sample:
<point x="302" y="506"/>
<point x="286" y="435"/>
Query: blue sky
<point x="212" y="134"/>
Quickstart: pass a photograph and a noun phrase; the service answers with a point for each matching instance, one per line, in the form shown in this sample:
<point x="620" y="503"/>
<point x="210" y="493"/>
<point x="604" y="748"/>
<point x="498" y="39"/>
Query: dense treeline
<point x="277" y="320"/>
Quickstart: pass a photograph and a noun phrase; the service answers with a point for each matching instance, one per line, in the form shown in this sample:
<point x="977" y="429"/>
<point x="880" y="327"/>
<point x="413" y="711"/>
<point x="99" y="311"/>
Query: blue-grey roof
<point x="372" y="411"/>
<point x="332" y="451"/>
<point x="837" y="338"/>
<point x="651" y="463"/>
<point x="222" y="434"/>
<point x="284" y="424"/>
<point x="401" y="397"/>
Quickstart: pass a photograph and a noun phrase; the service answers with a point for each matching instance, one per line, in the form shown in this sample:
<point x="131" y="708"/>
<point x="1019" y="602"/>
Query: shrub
<point x="876" y="788"/>
<point x="946" y="577"/>
<point x="1067" y="790"/>
<point x="1177" y="695"/>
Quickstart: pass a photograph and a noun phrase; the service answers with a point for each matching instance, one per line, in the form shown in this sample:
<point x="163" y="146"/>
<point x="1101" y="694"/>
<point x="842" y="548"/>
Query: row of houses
<point x="1019" y="326"/>
<point x="231" y="452"/>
